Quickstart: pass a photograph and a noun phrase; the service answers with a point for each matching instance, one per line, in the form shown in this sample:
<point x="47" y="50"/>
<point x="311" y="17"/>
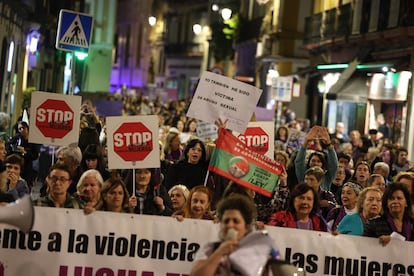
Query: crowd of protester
<point x="346" y="183"/>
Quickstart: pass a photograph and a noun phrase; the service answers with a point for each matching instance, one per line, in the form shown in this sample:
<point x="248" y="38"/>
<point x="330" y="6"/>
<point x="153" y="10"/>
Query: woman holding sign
<point x="149" y="197"/>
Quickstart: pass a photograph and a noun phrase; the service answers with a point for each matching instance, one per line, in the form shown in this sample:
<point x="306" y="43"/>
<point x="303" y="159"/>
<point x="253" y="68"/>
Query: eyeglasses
<point x="56" y="179"/>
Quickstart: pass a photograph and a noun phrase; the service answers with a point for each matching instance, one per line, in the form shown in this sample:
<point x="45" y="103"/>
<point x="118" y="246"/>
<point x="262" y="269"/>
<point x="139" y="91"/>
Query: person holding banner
<point x="89" y="190"/>
<point x="236" y="215"/>
<point x="397" y="221"/>
<point x="349" y="196"/>
<point x="115" y="196"/>
<point x="198" y="205"/>
<point x="302" y="211"/>
<point x="179" y="196"/>
<point x="317" y="158"/>
<point x="369" y="206"/>
<point x="58" y="181"/>
<point x="149" y="196"/>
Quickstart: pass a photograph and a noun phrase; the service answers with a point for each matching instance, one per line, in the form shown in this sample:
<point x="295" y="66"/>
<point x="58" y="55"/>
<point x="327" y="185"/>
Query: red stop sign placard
<point x="133" y="141"/>
<point x="54" y="118"/>
<point x="256" y="139"/>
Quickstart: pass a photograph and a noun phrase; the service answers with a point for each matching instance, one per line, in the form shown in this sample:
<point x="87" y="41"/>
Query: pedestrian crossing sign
<point x="74" y="31"/>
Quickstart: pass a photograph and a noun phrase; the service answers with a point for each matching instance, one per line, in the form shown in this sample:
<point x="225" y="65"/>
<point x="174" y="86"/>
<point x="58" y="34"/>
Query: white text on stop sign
<point x="254" y="140"/>
<point x="131" y="138"/>
<point x="53" y="115"/>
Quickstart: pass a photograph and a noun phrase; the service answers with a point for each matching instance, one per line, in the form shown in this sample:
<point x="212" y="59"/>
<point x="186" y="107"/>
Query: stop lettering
<point x="54" y="118"/>
<point x="133" y="141"/>
<point x="256" y="139"/>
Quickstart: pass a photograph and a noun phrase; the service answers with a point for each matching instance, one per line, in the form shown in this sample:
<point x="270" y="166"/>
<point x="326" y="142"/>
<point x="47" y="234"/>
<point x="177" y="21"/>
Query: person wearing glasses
<point x="58" y="181"/>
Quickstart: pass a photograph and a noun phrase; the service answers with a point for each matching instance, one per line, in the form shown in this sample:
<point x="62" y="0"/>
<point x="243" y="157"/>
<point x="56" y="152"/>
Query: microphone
<point x="231" y="234"/>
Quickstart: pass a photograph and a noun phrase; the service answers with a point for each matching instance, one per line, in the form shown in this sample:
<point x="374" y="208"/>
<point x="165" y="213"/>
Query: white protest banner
<point x="206" y="131"/>
<point x="133" y="142"/>
<point x="54" y="119"/>
<point x="222" y="97"/>
<point x="260" y="137"/>
<point x="106" y="243"/>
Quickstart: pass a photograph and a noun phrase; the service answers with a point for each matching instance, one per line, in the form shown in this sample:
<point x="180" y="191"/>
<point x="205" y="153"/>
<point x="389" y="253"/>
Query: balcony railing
<point x="363" y="17"/>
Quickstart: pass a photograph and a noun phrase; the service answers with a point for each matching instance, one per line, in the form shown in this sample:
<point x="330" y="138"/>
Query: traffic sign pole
<point x="72" y="72"/>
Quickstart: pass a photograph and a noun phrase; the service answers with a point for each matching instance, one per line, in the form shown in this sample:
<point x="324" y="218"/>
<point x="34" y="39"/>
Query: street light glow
<point x="152" y="20"/>
<point x="226" y="13"/>
<point x="197" y="29"/>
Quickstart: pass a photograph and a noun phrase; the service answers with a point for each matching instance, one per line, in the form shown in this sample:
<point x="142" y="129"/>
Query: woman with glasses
<point x="58" y="181"/>
<point x="369" y="206"/>
<point x="192" y="169"/>
<point x="317" y="158"/>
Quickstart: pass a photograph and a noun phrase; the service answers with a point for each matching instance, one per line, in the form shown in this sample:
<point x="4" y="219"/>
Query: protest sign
<point x="221" y="97"/>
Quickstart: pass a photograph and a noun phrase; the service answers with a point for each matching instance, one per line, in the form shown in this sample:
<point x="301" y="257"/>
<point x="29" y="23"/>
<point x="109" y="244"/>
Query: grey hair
<point x="89" y="173"/>
<point x="71" y="151"/>
<point x="4" y="121"/>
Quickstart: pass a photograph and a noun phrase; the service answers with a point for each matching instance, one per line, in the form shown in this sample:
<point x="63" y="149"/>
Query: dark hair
<point x="321" y="157"/>
<point x="109" y="186"/>
<point x="388" y="194"/>
<point x="232" y="189"/>
<point x="301" y="189"/>
<point x="154" y="180"/>
<point x="191" y="144"/>
<point x="23" y="123"/>
<point x="62" y="167"/>
<point x="241" y="203"/>
<point x="344" y="156"/>
<point x="93" y="151"/>
<point x="14" y="159"/>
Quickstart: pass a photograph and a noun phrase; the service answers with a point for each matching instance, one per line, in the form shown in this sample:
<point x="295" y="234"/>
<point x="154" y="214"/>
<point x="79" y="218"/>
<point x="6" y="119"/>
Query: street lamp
<point x="226" y="13"/>
<point x="197" y="29"/>
<point x="152" y="20"/>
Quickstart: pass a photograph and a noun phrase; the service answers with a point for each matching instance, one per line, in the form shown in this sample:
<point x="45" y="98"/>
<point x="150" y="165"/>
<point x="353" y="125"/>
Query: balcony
<point x="375" y="25"/>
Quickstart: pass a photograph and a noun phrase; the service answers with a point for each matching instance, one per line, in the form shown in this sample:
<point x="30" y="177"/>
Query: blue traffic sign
<point x="74" y="31"/>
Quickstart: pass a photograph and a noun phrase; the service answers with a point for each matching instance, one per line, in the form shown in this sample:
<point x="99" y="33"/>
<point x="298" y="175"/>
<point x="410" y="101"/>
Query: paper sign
<point x="222" y="97"/>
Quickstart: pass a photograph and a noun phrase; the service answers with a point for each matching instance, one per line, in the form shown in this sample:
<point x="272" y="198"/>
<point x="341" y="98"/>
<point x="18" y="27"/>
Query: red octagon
<point x="133" y="141"/>
<point x="54" y="118"/>
<point x="256" y="139"/>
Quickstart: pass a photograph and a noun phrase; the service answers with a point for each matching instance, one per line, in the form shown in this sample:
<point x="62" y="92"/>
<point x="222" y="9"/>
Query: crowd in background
<point x="333" y="180"/>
